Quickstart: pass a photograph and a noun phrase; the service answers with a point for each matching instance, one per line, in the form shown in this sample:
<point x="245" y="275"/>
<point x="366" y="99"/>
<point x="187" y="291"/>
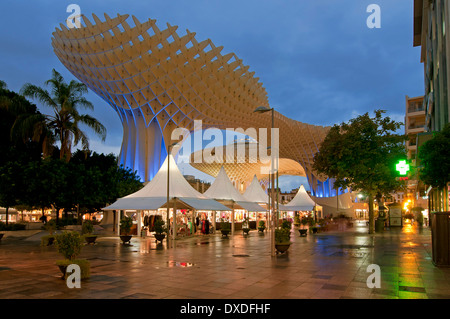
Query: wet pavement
<point x="328" y="265"/>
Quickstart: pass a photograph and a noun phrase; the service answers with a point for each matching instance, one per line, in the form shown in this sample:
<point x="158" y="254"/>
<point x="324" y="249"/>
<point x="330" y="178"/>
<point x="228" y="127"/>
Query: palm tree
<point x="29" y="124"/>
<point x="65" y="100"/>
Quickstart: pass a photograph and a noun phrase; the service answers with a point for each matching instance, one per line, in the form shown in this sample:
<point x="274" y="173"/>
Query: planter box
<point x="440" y="238"/>
<point x="282" y="248"/>
<point x="84" y="267"/>
<point x="160" y="237"/>
<point x="303" y="232"/>
<point x="125" y="238"/>
<point x="225" y="232"/>
<point x="90" y="239"/>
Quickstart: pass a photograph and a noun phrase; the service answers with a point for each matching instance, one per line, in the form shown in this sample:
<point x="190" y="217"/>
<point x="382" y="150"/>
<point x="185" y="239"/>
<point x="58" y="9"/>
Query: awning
<point x="285" y="208"/>
<point x="137" y="203"/>
<point x="251" y="207"/>
<point x="153" y="203"/>
<point x="204" y="204"/>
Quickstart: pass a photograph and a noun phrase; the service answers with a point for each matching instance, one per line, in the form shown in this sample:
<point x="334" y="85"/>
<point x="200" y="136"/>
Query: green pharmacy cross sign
<point x="402" y="167"/>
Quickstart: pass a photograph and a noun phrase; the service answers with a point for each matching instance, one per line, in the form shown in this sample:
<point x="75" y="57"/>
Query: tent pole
<point x="139" y="224"/>
<point x="168" y="197"/>
<point x="278" y="212"/>
<point x="232" y="219"/>
<point x="118" y="222"/>
<point x="214" y="220"/>
<point x="194" y="220"/>
<point x="174" y="219"/>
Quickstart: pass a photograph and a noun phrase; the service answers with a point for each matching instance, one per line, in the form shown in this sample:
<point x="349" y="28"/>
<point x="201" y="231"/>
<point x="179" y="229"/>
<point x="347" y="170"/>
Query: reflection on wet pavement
<point x="323" y="265"/>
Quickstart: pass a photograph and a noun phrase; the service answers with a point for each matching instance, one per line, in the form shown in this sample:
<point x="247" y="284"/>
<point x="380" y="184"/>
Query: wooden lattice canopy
<point x="157" y="80"/>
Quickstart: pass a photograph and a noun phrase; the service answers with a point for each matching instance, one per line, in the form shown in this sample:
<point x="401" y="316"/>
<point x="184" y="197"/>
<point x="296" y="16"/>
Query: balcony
<point x="415" y="128"/>
<point x="416" y="109"/>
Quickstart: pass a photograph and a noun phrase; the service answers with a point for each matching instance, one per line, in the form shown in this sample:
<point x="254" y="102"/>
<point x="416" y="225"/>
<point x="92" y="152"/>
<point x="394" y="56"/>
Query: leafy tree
<point x="9" y="189"/>
<point x="104" y="181"/>
<point x="87" y="179"/>
<point x="65" y="100"/>
<point x="12" y="108"/>
<point x="434" y="157"/>
<point x="361" y="155"/>
<point x="16" y="152"/>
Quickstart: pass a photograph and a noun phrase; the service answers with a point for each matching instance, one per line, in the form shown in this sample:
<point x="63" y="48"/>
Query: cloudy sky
<point x="318" y="60"/>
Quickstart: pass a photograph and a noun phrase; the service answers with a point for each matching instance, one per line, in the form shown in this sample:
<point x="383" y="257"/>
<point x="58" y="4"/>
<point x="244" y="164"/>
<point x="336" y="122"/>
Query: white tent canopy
<point x="255" y="193"/>
<point x="154" y="195"/>
<point x="301" y="202"/>
<point x="331" y="204"/>
<point x="222" y="189"/>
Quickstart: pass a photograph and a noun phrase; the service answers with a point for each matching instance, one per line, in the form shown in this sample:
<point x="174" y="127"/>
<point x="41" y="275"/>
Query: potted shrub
<point x="261" y="226"/>
<point x="87" y="229"/>
<point x="160" y="230"/>
<point x="246" y="226"/>
<point x="286" y="224"/>
<point x="297" y="221"/>
<point x="69" y="245"/>
<point x="125" y="229"/>
<point x="48" y="240"/>
<point x="225" y="228"/>
<point x="282" y="239"/>
<point x="303" y="231"/>
<point x="312" y="225"/>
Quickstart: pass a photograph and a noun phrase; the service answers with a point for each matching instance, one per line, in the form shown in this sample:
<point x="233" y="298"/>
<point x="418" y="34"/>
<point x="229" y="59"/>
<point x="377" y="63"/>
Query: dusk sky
<point x="318" y="60"/>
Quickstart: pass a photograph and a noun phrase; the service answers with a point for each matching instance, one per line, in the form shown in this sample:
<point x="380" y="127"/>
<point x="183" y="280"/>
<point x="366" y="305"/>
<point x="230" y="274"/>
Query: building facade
<point x="431" y="33"/>
<point x="414" y="124"/>
<point x="415" y="119"/>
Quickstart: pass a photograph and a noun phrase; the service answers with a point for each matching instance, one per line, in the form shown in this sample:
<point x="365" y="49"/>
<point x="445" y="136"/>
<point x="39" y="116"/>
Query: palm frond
<point x="35" y="92"/>
<point x="94" y="124"/>
<point x="80" y="136"/>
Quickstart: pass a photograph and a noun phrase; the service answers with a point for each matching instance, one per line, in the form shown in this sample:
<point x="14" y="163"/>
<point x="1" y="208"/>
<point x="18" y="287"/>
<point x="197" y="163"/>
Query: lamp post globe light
<point x="264" y="109"/>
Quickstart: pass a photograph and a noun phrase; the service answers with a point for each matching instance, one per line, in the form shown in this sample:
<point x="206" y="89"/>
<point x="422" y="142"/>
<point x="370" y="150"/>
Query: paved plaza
<point x="328" y="265"/>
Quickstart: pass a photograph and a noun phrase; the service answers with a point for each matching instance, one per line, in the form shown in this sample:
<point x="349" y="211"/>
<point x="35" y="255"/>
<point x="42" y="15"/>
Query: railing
<point x="415" y="109"/>
<point x="412" y="127"/>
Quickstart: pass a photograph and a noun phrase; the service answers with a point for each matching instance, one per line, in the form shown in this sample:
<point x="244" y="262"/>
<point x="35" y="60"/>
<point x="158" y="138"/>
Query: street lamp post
<point x="169" y="147"/>
<point x="264" y="109"/>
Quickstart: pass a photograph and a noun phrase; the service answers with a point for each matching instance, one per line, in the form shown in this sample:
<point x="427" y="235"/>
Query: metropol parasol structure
<point x="158" y="81"/>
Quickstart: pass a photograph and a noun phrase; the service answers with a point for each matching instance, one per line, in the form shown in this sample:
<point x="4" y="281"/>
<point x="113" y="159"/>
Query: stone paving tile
<point x="327" y="265"/>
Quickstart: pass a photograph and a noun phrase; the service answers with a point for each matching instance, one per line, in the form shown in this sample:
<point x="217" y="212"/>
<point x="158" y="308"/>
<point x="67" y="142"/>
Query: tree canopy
<point x="35" y="176"/>
<point x="434" y="157"/>
<point x="362" y="153"/>
<point x="66" y="99"/>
